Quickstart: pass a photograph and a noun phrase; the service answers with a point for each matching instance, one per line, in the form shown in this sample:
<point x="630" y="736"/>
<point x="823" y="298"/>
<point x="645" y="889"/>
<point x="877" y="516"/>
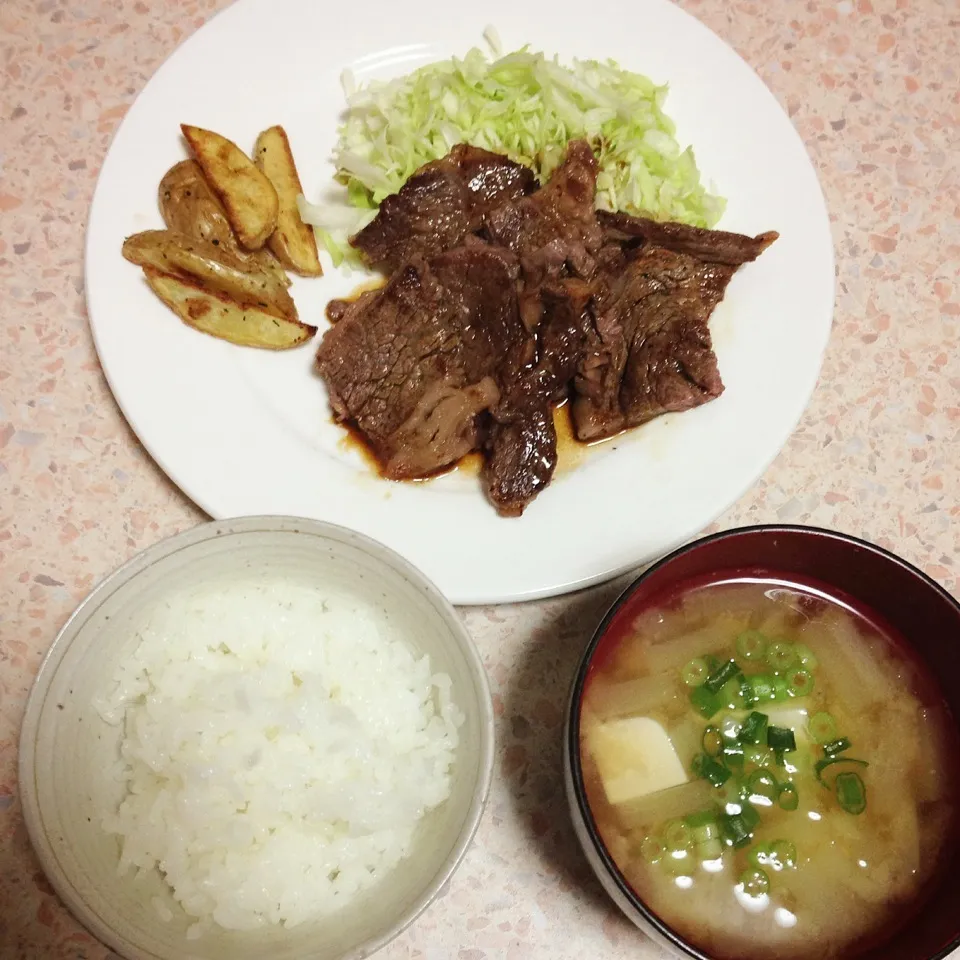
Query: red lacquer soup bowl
<point x="886" y="591"/>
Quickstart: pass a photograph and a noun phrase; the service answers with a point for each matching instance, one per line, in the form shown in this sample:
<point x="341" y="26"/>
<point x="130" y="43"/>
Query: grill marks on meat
<point x="441" y="204"/>
<point x="503" y="301"/>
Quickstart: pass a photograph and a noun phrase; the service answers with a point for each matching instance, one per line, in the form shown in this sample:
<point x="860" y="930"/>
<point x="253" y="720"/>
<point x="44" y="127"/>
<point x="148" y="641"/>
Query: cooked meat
<point x="521" y="457"/>
<point x="649" y="351"/>
<point x="440" y="205"/>
<point x="502" y="299"/>
<point x="521" y="443"/>
<point x="714" y="246"/>
<point x="554" y="231"/>
<point x="555" y="226"/>
<point x="414" y="364"/>
<point x="337" y="309"/>
<point x="560" y="338"/>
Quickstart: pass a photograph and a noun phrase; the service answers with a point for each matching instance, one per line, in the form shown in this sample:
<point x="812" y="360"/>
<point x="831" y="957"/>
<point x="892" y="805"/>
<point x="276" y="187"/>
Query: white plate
<point x="243" y="431"/>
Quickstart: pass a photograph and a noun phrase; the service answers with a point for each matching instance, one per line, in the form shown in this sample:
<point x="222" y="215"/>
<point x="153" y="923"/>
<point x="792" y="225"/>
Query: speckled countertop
<point x="874" y="89"/>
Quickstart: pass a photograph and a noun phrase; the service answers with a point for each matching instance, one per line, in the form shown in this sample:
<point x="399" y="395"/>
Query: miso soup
<point x="773" y="771"/>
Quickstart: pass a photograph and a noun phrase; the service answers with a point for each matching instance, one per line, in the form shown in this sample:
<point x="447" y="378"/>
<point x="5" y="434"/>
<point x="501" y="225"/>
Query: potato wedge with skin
<point x="213" y="312"/>
<point x="173" y="253"/>
<point x="188" y="205"/>
<point x="248" y="197"/>
<point x="293" y="242"/>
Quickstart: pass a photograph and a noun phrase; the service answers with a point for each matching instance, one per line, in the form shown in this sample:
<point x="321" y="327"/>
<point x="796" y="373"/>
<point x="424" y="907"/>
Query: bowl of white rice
<point x="264" y="737"/>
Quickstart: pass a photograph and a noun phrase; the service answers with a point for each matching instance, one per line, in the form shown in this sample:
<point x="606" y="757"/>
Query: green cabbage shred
<point x="528" y="107"/>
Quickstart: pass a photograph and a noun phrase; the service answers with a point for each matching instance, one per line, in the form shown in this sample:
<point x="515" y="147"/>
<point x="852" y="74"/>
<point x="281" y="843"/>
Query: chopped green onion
<point x="746" y="692"/>
<point x="763" y="788"/>
<point x="834" y="747"/>
<point x="851" y="793"/>
<point x="754" y="729"/>
<point x="749" y="816"/>
<point x="781" y="689"/>
<point x="724" y="673"/>
<point x="788" y="798"/>
<point x="800" y="683"/>
<point x="651" y="850"/>
<point x="805" y="656"/>
<point x="755" y="882"/>
<point x="761" y="685"/>
<point x="711" y="741"/>
<point x="758" y="855"/>
<point x="822" y="765"/>
<point x="822" y="727"/>
<point x="736" y="794"/>
<point x="695" y="672"/>
<point x="782" y="855"/>
<point x="711" y="849"/>
<point x="678" y="862"/>
<point x="733" y="756"/>
<point x="730" y="694"/>
<point x="705" y="702"/>
<point x="739" y="806"/>
<point x="782" y="739"/>
<point x="781" y="655"/>
<point x="705" y="832"/>
<point x="730" y="727"/>
<point x="701" y="817"/>
<point x="752" y="645"/>
<point x="735" y="830"/>
<point x="677" y="835"/>
<point x="708" y="768"/>
<point x="713" y="663"/>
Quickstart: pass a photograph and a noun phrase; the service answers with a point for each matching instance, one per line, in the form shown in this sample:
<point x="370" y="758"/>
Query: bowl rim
<point x="575" y="701"/>
<point x="138" y="564"/>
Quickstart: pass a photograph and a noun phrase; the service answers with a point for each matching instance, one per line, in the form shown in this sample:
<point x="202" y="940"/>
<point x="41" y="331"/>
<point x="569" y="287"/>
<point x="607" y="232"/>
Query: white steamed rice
<point x="280" y="745"/>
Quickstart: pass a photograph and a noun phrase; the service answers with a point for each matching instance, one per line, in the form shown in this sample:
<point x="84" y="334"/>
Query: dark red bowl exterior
<point x="907" y="599"/>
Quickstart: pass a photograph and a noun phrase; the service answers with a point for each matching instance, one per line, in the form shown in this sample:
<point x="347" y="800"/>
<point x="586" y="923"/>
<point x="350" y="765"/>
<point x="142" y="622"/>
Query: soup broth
<point x="773" y="773"/>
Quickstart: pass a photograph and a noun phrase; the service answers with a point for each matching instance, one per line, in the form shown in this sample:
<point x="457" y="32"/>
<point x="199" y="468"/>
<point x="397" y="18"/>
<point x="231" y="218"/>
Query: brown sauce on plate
<point x="571" y="452"/>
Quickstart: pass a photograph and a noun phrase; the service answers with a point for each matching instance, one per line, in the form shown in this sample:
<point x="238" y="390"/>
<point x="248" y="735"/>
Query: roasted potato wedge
<point x="249" y="199"/>
<point x="293" y="242"/>
<point x="174" y="253"/>
<point x="213" y="312"/>
<point x="189" y="206"/>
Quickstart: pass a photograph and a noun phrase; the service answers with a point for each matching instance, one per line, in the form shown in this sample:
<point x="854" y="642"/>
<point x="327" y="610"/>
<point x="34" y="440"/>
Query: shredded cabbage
<point x="525" y="106"/>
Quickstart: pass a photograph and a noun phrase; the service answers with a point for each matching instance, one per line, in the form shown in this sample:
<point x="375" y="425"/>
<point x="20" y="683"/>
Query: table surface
<point x="873" y="88"/>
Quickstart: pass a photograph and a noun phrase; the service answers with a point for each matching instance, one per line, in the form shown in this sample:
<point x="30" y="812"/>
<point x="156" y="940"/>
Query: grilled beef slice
<point x="555" y="226"/>
<point x="649" y="350"/>
<point x="713" y="246"/>
<point x="441" y="204"/>
<point x="415" y="364"/>
<point x="521" y="442"/>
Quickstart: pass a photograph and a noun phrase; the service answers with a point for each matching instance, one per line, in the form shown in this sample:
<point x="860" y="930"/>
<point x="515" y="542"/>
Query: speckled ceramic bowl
<point x="66" y="748"/>
<point x="900" y="594"/>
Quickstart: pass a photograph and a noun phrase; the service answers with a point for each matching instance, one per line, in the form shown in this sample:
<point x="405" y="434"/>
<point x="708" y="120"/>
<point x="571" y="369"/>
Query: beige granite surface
<point x="873" y="87"/>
